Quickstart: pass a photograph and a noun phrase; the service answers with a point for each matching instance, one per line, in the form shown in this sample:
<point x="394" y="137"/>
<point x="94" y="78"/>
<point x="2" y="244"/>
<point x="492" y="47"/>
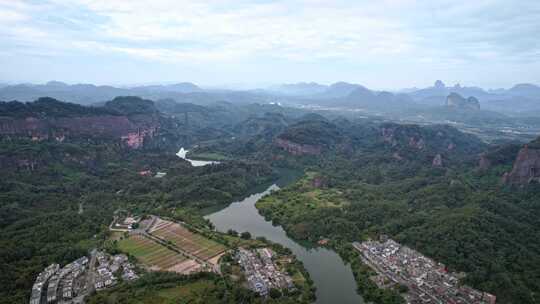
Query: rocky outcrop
<point x="437" y="161"/>
<point x="526" y="168"/>
<point x="484" y="163"/>
<point x="396" y="155"/>
<point x="388" y="135"/>
<point x="396" y="134"/>
<point x="417" y="143"/>
<point x="318" y="182"/>
<point x="296" y="148"/>
<point x="454" y="100"/>
<point x="131" y="131"/>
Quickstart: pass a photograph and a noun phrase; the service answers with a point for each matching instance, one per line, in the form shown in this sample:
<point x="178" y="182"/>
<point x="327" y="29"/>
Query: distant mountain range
<point x="524" y="98"/>
<point x="342" y="89"/>
<point x="86" y="93"/>
<point x="519" y="98"/>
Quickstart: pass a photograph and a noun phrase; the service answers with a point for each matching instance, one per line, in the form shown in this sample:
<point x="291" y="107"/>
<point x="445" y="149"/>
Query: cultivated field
<point x="150" y="253"/>
<point x="188" y="241"/>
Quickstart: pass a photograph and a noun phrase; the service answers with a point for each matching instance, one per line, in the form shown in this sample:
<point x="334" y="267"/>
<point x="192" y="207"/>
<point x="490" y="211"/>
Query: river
<point x="195" y="163"/>
<point x="334" y="280"/>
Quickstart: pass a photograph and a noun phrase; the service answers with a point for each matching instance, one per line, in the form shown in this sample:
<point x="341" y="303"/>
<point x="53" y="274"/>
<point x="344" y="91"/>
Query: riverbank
<point x="332" y="277"/>
<point x="297" y="208"/>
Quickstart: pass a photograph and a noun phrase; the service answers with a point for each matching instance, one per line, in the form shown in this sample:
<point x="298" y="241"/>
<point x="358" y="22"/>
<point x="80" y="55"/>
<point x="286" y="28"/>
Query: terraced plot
<point x="188" y="241"/>
<point x="150" y="253"/>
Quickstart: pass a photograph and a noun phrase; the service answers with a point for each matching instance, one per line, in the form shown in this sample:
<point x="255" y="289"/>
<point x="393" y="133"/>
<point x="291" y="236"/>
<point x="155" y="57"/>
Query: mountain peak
<point x="439" y="84"/>
<point x="454" y="100"/>
<point x="54" y="83"/>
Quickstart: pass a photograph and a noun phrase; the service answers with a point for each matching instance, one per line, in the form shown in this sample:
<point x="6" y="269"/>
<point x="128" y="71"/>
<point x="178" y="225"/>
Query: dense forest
<point x="452" y="211"/>
<point x="421" y="185"/>
<point x="58" y="198"/>
<point x="61" y="187"/>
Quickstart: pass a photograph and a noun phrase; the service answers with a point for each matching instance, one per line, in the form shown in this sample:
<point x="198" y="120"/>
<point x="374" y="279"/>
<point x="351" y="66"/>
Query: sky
<point x="380" y="44"/>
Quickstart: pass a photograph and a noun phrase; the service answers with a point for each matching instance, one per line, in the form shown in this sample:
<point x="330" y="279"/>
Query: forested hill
<point x="46" y="107"/>
<point x="311" y="139"/>
<point x="65" y="171"/>
<point x="128" y="120"/>
<point x="434" y="188"/>
<point x="426" y="187"/>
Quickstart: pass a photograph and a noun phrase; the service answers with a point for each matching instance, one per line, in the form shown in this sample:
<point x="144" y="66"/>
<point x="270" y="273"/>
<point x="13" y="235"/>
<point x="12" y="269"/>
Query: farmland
<point x="155" y="256"/>
<point x="192" y="243"/>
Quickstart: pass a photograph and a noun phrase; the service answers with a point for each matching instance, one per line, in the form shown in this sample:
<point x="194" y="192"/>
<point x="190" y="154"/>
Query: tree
<point x="274" y="293"/>
<point x="246" y="235"/>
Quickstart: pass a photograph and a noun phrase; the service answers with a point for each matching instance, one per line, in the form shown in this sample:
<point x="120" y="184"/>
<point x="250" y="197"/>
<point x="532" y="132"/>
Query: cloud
<point x="406" y="33"/>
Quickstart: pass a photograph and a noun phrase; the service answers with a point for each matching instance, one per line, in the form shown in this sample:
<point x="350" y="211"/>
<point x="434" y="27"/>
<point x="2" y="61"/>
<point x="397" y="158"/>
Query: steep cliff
<point x="129" y="120"/>
<point x="296" y="148"/>
<point x="526" y="168"/>
<point x="500" y="155"/>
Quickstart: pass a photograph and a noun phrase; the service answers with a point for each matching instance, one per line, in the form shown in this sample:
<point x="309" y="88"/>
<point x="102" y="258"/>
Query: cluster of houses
<point x="59" y="285"/>
<point x="426" y="280"/>
<point x="40" y="285"/>
<point x="68" y="284"/>
<point x="261" y="272"/>
<point x="108" y="266"/>
<point x="125" y="223"/>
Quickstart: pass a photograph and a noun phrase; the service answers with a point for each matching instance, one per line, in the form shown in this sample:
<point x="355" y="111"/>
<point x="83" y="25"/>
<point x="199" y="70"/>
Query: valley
<point x="269" y="152"/>
<point x="307" y="184"/>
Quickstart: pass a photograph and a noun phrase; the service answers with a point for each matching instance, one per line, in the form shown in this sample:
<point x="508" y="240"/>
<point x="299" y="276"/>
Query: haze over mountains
<point x="512" y="113"/>
<point x="519" y="98"/>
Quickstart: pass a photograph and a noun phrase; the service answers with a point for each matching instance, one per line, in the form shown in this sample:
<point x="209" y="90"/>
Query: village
<point x="157" y="244"/>
<point x="425" y="280"/>
<point x="78" y="279"/>
<point x="261" y="272"/>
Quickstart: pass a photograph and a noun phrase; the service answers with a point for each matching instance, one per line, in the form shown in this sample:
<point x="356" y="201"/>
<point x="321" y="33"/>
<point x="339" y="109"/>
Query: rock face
<point x="454" y="100"/>
<point x="129" y="120"/>
<point x="416" y="143"/>
<point x="130" y="131"/>
<point x="388" y="135"/>
<point x="318" y="182"/>
<point x="484" y="163"/>
<point x="437" y="161"/>
<point x="526" y="167"/>
<point x="296" y="148"/>
<point x="394" y="134"/>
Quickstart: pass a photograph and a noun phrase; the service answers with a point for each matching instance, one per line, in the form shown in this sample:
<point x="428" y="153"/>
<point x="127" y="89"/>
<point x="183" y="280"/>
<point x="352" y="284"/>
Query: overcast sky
<point x="380" y="44"/>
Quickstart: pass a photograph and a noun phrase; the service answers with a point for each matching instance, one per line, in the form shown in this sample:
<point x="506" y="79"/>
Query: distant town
<point x="78" y="279"/>
<point x="426" y="281"/>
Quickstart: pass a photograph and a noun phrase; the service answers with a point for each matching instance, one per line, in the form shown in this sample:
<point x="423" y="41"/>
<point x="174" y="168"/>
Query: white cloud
<point x="189" y="29"/>
<point x="406" y="33"/>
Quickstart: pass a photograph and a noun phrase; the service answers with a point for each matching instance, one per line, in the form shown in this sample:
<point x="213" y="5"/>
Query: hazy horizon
<point x="254" y="86"/>
<point x="386" y="45"/>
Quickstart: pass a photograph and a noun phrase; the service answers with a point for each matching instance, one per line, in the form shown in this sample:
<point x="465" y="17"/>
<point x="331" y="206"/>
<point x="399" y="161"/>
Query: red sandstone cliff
<point x="297" y="149"/>
<point x="130" y="130"/>
<point x="526" y="167"/>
